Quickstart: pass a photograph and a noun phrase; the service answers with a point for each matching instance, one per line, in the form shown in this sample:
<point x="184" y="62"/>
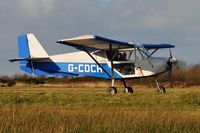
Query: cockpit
<point x="124" y="59"/>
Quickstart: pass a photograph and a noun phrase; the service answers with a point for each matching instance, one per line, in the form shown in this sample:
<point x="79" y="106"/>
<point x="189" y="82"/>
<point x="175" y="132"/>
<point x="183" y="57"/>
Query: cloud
<point x="37" y="7"/>
<point x="146" y="21"/>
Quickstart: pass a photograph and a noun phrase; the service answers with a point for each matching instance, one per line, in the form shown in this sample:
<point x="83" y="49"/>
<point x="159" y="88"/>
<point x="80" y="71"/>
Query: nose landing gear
<point x="161" y="89"/>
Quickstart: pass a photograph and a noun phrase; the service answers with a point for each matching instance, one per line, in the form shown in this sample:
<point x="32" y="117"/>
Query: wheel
<point x="112" y="90"/>
<point x="128" y="90"/>
<point x="162" y="89"/>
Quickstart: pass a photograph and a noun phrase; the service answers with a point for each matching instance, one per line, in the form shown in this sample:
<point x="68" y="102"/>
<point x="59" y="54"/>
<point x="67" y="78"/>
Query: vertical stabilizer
<point x="29" y="47"/>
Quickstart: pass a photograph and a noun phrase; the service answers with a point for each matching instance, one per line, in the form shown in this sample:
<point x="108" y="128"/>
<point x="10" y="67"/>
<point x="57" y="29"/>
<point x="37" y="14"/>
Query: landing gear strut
<point x="161" y="89"/>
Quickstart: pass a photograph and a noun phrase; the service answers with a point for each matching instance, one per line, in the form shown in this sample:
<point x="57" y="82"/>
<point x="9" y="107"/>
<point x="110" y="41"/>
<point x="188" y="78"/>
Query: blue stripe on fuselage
<point x="85" y="69"/>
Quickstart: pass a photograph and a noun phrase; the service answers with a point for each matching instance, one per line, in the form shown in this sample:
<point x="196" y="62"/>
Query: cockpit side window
<point x="108" y="54"/>
<point x="117" y="55"/>
<point x="100" y="53"/>
<point x="120" y="56"/>
<point x="134" y="54"/>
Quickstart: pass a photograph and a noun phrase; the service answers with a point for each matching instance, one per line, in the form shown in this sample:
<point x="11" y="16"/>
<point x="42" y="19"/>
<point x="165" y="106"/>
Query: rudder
<point x="23" y="47"/>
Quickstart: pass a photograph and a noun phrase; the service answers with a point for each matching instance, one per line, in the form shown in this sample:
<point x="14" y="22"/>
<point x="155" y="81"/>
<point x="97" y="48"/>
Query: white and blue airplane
<point x="97" y="57"/>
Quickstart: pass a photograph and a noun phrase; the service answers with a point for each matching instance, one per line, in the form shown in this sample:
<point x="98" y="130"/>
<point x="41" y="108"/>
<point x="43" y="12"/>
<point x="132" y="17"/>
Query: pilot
<point x="122" y="56"/>
<point x="122" y="68"/>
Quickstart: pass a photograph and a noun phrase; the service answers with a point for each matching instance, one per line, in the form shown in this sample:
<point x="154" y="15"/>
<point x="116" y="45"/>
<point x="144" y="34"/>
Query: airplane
<point x="97" y="56"/>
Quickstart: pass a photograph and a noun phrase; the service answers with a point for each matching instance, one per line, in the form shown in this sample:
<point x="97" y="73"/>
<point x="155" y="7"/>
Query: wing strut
<point x="112" y="66"/>
<point x="96" y="61"/>
<point x="153" y="52"/>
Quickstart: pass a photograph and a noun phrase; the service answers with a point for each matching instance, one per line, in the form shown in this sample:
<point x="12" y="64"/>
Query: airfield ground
<point x="61" y="109"/>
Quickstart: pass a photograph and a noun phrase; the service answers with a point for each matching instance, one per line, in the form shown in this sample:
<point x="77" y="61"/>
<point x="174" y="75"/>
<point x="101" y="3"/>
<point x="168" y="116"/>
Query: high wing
<point x="95" y="42"/>
<point x="158" y="46"/>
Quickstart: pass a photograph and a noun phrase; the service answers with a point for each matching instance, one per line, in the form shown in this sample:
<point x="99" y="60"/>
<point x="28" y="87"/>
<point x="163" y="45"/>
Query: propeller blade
<point x="170" y="76"/>
<point x="170" y="63"/>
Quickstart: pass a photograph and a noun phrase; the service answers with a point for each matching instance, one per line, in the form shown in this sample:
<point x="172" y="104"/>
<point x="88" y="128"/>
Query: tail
<point x="29" y="47"/>
<point x="29" y="50"/>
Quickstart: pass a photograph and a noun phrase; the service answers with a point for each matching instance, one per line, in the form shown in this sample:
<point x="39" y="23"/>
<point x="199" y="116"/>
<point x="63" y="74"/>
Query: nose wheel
<point x="161" y="89"/>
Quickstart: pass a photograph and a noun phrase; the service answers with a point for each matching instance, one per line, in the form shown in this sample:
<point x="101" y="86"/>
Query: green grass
<point x="39" y="109"/>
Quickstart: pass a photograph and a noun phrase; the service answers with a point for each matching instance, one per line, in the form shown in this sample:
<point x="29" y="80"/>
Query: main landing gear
<point x="113" y="90"/>
<point x="161" y="89"/>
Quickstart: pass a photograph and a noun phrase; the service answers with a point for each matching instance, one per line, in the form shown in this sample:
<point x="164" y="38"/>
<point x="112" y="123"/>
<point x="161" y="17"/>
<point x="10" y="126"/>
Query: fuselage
<point x="80" y="63"/>
<point x="98" y="57"/>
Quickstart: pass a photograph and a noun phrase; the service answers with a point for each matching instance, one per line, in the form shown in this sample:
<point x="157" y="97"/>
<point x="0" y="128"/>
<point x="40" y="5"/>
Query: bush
<point x="34" y="81"/>
<point x="11" y="83"/>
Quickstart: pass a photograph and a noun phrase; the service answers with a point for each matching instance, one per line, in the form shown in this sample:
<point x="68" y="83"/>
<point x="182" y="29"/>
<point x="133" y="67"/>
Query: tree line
<point x="181" y="74"/>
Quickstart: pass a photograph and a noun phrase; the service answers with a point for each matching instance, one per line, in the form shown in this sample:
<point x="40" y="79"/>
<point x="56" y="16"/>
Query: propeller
<point x="170" y="63"/>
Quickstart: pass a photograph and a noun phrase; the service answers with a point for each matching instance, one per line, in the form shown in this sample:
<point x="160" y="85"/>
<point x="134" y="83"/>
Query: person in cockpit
<point x="120" y="56"/>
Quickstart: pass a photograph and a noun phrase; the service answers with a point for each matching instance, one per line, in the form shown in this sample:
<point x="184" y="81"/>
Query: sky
<point x="139" y="21"/>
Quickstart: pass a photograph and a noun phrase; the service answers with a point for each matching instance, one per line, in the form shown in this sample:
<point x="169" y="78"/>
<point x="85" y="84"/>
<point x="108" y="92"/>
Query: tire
<point x="128" y="90"/>
<point x="162" y="89"/>
<point x="112" y="90"/>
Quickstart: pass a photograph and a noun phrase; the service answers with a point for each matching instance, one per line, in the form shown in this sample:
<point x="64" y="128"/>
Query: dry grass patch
<point x="92" y="110"/>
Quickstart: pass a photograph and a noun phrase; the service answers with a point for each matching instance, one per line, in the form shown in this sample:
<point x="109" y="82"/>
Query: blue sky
<point x="142" y="21"/>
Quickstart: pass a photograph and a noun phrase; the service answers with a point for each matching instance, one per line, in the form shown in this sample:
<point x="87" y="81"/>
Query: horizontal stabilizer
<point x="30" y="59"/>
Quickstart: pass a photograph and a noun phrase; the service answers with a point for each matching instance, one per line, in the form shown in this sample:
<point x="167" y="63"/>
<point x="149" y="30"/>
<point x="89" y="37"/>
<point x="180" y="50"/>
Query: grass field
<point x="59" y="109"/>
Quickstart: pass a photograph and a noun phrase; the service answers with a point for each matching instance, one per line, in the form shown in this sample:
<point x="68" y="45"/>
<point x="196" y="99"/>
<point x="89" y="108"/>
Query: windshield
<point x="143" y="50"/>
<point x="130" y="54"/>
